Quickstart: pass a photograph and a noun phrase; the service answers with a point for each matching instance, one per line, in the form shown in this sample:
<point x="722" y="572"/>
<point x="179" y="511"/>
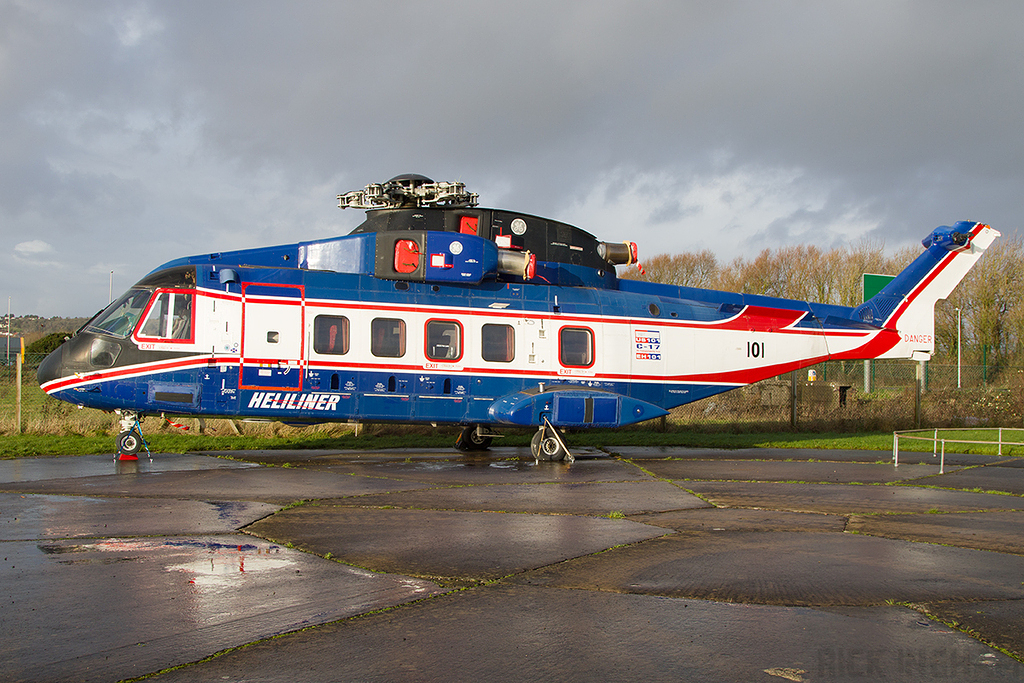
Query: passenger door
<point x="273" y="320"/>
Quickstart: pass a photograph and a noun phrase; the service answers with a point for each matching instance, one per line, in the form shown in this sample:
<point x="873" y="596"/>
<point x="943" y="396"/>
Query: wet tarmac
<point x="631" y="563"/>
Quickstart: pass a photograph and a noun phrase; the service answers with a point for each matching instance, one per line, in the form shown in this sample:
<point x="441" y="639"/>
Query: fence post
<point x="17" y="364"/>
<point x="792" y="399"/>
<point x="917" y="394"/>
<point x="867" y="377"/>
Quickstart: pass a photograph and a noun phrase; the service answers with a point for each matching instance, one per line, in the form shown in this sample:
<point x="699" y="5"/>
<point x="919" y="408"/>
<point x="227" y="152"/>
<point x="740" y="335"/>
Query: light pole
<point x="8" y="358"/>
<point x="110" y="288"/>
<point x="958" y="348"/>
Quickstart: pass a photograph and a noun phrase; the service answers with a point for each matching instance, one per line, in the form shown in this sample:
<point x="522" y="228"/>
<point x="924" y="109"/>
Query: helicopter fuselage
<point x="466" y="316"/>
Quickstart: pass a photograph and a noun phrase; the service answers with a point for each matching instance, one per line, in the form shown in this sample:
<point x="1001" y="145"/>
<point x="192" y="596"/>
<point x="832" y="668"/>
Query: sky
<point x="137" y="132"/>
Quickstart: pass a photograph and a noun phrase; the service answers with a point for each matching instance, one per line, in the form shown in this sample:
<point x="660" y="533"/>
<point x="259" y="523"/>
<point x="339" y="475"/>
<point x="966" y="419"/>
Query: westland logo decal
<point x="273" y="401"/>
<point x="648" y="344"/>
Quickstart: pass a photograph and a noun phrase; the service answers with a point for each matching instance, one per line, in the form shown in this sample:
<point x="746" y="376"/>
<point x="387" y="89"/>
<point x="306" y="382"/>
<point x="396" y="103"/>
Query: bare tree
<point x="686" y="270"/>
<point x="991" y="298"/>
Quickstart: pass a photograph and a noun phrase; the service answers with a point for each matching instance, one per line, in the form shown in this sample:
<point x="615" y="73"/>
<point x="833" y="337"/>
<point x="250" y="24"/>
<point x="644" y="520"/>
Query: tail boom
<point x="906" y="306"/>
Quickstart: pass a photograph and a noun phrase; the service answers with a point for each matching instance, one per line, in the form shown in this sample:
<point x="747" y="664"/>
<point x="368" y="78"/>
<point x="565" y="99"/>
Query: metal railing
<point x="939" y="444"/>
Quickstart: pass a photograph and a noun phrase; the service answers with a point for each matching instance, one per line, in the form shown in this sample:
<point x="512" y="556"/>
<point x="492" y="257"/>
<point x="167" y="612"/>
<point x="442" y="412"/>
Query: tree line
<point x="41" y="335"/>
<point x="989" y="298"/>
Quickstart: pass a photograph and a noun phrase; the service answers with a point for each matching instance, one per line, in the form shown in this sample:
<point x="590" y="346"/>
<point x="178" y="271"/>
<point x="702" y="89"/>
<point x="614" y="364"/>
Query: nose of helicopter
<point x="52" y="367"/>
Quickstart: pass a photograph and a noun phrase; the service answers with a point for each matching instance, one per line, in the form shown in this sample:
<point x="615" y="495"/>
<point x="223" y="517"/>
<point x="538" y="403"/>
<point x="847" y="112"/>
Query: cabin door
<point x="273" y="320"/>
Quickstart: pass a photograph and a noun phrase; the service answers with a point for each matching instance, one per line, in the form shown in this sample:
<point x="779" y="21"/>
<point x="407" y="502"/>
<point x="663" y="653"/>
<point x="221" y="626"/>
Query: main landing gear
<point x="474" y="438"/>
<point x="547" y="444"/>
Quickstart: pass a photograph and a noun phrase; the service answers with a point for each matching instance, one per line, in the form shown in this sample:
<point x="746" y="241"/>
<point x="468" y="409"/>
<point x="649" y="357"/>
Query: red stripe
<point x="882" y="342"/>
<point x="141" y="369"/>
<point x="747" y="319"/>
<point x="939" y="267"/>
<point x="762" y="319"/>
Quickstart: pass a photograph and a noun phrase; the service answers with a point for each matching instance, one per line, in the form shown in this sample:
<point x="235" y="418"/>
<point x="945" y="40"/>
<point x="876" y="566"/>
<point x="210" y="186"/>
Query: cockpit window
<point x="119" y="318"/>
<point x="170" y="317"/>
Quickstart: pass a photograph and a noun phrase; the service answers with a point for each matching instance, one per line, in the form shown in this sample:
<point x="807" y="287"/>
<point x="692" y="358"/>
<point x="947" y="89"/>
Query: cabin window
<point x="119" y="318"/>
<point x="330" y="335"/>
<point x="444" y="340"/>
<point x="576" y="347"/>
<point x="169" y="317"/>
<point x="387" y="337"/>
<point x="103" y="353"/>
<point x="498" y="343"/>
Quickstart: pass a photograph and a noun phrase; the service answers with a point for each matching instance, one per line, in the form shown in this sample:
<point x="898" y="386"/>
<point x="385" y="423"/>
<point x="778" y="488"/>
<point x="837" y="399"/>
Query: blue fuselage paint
<point x="361" y="386"/>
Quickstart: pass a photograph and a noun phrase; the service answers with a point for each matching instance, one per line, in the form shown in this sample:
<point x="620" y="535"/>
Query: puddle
<point x="227" y="567"/>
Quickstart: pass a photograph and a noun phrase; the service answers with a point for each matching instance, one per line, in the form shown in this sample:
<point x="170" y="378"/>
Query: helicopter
<point x="435" y="310"/>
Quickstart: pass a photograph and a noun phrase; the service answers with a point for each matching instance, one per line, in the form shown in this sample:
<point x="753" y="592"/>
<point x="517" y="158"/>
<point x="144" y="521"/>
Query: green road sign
<point x="873" y="283"/>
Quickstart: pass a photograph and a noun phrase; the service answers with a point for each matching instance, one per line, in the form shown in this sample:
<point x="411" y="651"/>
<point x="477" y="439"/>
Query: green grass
<point x="14" y="446"/>
<point x="98" y="439"/>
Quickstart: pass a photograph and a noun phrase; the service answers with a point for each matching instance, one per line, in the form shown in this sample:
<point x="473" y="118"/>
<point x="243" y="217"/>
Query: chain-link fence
<point x="836" y="399"/>
<point x="865" y="396"/>
<point x="40" y="414"/>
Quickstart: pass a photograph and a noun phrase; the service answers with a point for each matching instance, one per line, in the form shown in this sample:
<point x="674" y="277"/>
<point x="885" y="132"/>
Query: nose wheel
<point x="129" y="443"/>
<point x="129" y="439"/>
<point x="547" y="444"/>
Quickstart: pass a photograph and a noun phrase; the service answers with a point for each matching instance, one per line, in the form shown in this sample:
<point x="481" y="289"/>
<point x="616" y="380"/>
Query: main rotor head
<point x="408" y="191"/>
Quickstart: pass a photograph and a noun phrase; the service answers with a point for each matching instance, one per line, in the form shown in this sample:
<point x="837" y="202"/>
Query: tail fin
<point x="907" y="304"/>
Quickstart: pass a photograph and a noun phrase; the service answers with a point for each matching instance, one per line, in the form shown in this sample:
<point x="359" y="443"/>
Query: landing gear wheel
<point x="471" y="440"/>
<point x="550" y="449"/>
<point x="129" y="443"/>
<point x="129" y="438"/>
<point x="544" y="446"/>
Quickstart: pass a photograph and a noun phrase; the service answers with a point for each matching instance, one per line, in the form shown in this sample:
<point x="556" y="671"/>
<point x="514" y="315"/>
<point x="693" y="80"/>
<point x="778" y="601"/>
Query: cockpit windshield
<point x="119" y="318"/>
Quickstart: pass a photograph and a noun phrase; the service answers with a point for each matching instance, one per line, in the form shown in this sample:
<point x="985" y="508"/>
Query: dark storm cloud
<point x="136" y="132"/>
